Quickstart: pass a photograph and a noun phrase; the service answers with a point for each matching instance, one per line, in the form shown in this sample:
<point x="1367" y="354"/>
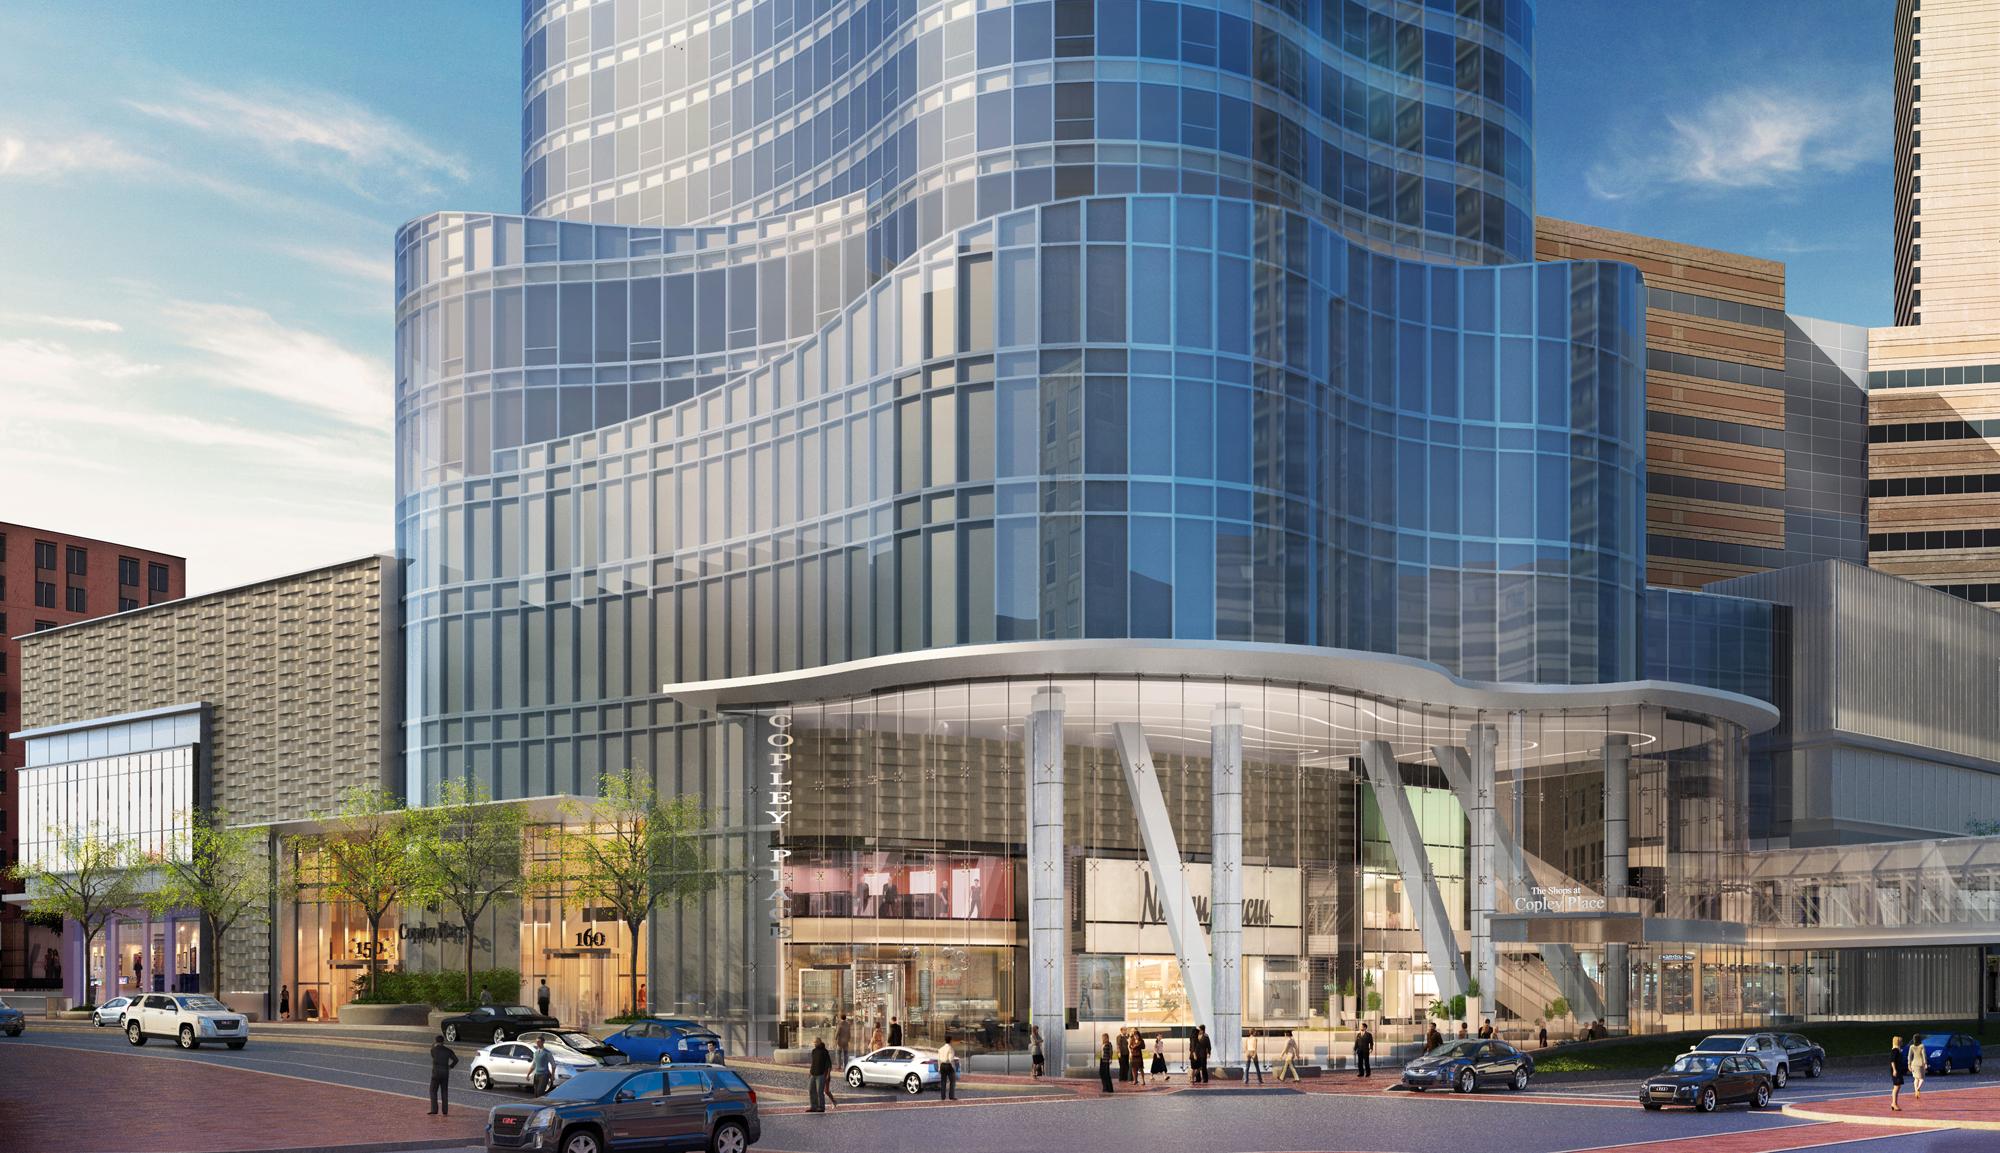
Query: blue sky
<point x="197" y="203"/>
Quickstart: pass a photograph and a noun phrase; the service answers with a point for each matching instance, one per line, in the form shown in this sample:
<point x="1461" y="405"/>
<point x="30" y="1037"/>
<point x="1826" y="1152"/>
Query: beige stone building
<point x="268" y="701"/>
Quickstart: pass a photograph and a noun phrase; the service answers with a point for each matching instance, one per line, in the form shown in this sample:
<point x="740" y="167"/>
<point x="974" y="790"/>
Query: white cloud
<point x="246" y="348"/>
<point x="54" y="157"/>
<point x="1748" y="138"/>
<point x="375" y="267"/>
<point x="43" y="320"/>
<point x="315" y="130"/>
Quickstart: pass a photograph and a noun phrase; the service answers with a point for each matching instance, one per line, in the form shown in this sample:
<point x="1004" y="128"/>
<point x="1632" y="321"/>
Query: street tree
<point x="466" y="853"/>
<point x="631" y="851"/>
<point x="365" y="858"/>
<point x="219" y="870"/>
<point x="86" y="878"/>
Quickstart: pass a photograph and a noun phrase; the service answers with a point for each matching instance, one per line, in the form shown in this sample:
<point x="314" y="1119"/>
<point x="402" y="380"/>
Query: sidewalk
<point x="1972" y="1107"/>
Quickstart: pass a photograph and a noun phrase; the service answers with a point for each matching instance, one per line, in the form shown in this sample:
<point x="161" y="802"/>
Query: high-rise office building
<point x="47" y="579"/>
<point x="1934" y="468"/>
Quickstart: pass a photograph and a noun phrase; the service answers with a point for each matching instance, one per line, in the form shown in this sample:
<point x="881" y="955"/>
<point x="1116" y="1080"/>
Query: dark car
<point x="12" y="1020"/>
<point x="490" y="1023"/>
<point x="1945" y="1053"/>
<point x="664" y="1040"/>
<point x="1468" y="1064"/>
<point x="1804" y="1058"/>
<point x="632" y="1107"/>
<point x="1706" y="1080"/>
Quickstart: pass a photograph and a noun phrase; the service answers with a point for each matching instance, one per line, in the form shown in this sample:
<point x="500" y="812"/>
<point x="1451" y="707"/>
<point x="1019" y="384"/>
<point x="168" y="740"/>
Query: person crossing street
<point x="442" y="1062"/>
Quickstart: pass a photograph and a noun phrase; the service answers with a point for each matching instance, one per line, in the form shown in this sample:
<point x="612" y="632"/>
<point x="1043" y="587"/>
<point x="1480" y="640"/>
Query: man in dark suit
<point x="1364" y="1048"/>
<point x="442" y="1061"/>
<point x="895" y="1031"/>
<point x="1198" y="1055"/>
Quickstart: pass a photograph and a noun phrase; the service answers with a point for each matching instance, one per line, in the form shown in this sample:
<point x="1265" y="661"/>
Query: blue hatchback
<point x="1946" y="1052"/>
<point x="664" y="1040"/>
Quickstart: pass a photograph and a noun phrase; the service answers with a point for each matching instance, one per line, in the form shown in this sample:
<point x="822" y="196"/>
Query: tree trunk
<point x="89" y="939"/>
<point x="211" y="958"/>
<point x="636" y="1009"/>
<point x="469" y="922"/>
<point x="374" y="948"/>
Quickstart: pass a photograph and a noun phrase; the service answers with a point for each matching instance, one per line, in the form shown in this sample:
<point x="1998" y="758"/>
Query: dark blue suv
<point x="686" y="1107"/>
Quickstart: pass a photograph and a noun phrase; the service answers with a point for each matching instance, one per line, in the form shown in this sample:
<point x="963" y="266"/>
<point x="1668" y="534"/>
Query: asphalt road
<point x="1551" y="1118"/>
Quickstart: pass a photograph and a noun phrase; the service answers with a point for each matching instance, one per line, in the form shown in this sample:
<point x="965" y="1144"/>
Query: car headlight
<point x="543" y="1118"/>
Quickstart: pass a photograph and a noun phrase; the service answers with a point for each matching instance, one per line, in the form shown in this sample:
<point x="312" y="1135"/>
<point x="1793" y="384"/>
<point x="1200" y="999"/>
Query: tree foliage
<point x="220" y="871"/>
<point x="630" y="850"/>
<point x="465" y="854"/>
<point x="366" y="858"/>
<point x="90" y="877"/>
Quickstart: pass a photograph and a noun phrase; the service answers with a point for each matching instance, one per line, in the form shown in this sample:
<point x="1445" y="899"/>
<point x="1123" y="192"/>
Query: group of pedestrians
<point x="1906" y="1063"/>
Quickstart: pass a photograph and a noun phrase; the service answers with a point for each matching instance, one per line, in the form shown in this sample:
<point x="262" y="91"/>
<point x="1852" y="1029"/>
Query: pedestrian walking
<point x="1104" y="1064"/>
<point x="819" y="1071"/>
<point x="1364" y="1052"/>
<point x="1159" y="1057"/>
<point x="1432" y="1039"/>
<point x="1920" y="1064"/>
<point x="284" y="1002"/>
<point x="875" y="1037"/>
<point x="843" y="1038"/>
<point x="1250" y="1062"/>
<point x="947" y="1071"/>
<point x="1124" y="1056"/>
<point x="895" y="1031"/>
<point x="1542" y="1038"/>
<point x="542" y="997"/>
<point x="442" y="1061"/>
<point x="542" y="1069"/>
<point x="1138" y="1056"/>
<point x="1288" y="1059"/>
<point x="1486" y="1031"/>
<point x="1035" y="1055"/>
<point x="1899" y="1068"/>
<point x="1199" y="1051"/>
<point x="1461" y="1030"/>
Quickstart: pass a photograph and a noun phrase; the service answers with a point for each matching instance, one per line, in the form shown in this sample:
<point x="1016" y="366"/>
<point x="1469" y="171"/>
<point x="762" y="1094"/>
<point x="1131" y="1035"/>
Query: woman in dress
<point x="1104" y="1064"/>
<point x="1035" y="1053"/>
<point x="1159" y="1056"/>
<point x="1899" y="1068"/>
<point x="1138" y="1056"/>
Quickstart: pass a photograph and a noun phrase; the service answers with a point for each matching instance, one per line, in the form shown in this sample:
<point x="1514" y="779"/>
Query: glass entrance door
<point x="878" y="998"/>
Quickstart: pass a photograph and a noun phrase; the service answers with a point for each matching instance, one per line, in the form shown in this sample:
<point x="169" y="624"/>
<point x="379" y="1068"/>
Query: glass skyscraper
<point x="968" y="404"/>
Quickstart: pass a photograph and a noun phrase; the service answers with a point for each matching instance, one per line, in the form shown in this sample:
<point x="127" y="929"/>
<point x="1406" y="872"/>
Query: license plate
<point x="1657" y="1092"/>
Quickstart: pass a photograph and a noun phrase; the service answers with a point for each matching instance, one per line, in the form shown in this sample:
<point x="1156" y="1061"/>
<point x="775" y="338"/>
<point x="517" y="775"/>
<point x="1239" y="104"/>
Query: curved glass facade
<point x="852" y="331"/>
<point x="1400" y="123"/>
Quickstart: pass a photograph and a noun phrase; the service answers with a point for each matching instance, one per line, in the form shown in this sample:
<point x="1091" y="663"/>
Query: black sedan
<point x="1468" y="1064"/>
<point x="677" y="1107"/>
<point x="1707" y="1080"/>
<point x="491" y="1023"/>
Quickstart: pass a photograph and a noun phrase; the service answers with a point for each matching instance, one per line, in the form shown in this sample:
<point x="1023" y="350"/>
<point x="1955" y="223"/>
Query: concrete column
<point x="1048" y="926"/>
<point x="1225" y="880"/>
<point x="1617" y="874"/>
<point x="1481" y="745"/>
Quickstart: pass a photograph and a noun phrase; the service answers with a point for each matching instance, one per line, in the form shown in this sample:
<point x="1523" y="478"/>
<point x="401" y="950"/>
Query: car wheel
<point x="854" y="1078"/>
<point x="481" y="1079"/>
<point x="913" y="1084"/>
<point x="1650" y="1106"/>
<point x="1944" y="1070"/>
<point x="1816" y="1068"/>
<point x="1975" y="1065"/>
<point x="1467" y="1082"/>
<point x="1783" y="1076"/>
<point x="1706" y="1102"/>
<point x="582" y="1141"/>
<point x="451" y="1034"/>
<point x="236" y="1044"/>
<point x="729" y="1138"/>
<point x="187" y="1037"/>
<point x="1520" y="1081"/>
<point x="135" y="1034"/>
<point x="1762" y="1097"/>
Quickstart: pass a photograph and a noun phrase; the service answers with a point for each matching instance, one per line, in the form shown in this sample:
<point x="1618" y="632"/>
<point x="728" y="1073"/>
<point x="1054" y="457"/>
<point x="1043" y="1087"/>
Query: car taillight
<point x="753" y="1096"/>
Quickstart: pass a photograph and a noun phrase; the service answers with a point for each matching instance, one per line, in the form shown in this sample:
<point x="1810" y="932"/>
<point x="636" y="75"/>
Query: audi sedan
<point x="1707" y="1080"/>
<point x="1466" y="1065"/>
<point x="912" y="1069"/>
<point x="495" y="1023"/>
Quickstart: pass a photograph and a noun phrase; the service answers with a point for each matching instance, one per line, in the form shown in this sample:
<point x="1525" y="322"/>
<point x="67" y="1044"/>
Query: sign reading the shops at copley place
<point x="1559" y="899"/>
<point x="778" y="759"/>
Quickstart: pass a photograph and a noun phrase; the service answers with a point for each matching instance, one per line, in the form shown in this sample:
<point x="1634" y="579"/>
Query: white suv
<point x="189" y="1018"/>
<point x="1766" y="1047"/>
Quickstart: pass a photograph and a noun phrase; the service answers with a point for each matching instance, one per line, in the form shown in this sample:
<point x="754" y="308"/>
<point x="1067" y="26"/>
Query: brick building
<point x="48" y="579"/>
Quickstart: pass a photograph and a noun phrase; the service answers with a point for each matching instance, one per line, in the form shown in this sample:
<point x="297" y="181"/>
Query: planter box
<point x="352" y="1014"/>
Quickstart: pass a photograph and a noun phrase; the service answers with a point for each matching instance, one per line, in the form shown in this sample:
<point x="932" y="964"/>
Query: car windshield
<point x="203" y="1005"/>
<point x="1720" y="1045"/>
<point x="577" y="1040"/>
<point x="517" y="1010"/>
<point x="1457" y="1049"/>
<point x="591" y="1086"/>
<point x="1696" y="1063"/>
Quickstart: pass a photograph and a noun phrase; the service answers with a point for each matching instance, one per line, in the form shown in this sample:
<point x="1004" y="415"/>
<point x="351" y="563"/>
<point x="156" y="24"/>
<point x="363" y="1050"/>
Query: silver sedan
<point x="512" y="1063"/>
<point x="112" y="1012"/>
<point x="913" y="1069"/>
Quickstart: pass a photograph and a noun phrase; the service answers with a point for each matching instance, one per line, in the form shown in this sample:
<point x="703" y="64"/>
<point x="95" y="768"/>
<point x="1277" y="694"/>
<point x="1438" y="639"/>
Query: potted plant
<point x="1472" y="1003"/>
<point x="1347" y="1010"/>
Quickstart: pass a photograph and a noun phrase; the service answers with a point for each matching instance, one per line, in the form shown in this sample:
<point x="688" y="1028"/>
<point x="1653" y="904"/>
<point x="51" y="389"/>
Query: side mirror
<point x="623" y="1096"/>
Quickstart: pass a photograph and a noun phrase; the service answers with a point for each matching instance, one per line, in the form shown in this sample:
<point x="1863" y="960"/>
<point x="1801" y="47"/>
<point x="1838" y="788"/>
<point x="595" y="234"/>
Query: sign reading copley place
<point x="778" y="761"/>
<point x="1559" y="899"/>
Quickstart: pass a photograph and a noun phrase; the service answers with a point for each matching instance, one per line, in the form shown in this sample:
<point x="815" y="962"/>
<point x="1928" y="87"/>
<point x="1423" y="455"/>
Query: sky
<point x="198" y="204"/>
